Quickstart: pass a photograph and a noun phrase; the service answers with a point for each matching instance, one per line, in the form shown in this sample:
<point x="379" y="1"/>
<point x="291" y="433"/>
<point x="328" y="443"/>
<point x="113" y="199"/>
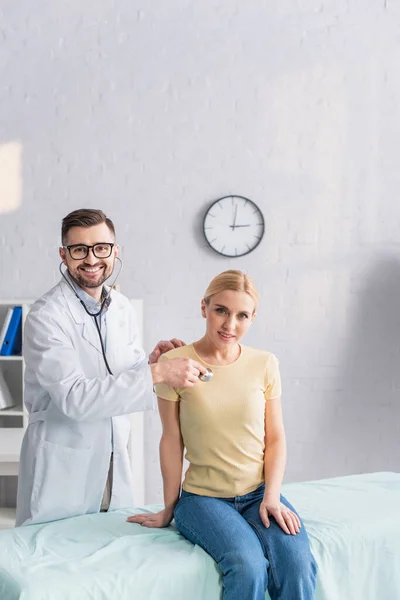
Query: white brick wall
<point x="152" y="110"/>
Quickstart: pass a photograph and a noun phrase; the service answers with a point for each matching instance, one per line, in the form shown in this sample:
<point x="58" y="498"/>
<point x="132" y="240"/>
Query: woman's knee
<point x="249" y="568"/>
<point x="301" y="565"/>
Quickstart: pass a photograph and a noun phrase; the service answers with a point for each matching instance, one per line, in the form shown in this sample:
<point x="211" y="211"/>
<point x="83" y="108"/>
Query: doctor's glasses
<point x="80" y="251"/>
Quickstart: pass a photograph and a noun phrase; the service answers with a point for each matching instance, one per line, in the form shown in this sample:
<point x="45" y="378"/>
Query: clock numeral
<point x="222" y="249"/>
<point x="211" y="241"/>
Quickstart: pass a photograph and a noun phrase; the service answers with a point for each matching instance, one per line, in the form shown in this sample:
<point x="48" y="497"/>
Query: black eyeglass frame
<point x="92" y="248"/>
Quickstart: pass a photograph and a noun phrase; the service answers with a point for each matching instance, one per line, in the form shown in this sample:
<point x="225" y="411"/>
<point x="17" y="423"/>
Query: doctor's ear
<point x="117" y="249"/>
<point x="62" y="255"/>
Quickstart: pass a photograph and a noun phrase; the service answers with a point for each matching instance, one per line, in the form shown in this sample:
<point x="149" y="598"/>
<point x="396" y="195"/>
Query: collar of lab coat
<point x="91" y="304"/>
<point x="116" y="322"/>
<point x="89" y="331"/>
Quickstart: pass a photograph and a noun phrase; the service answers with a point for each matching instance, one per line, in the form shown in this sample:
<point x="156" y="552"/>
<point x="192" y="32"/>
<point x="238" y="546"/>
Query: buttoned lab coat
<point x="76" y="408"/>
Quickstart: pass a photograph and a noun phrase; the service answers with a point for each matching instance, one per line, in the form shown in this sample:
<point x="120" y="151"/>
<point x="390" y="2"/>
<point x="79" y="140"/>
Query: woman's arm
<point x="171" y="452"/>
<point x="275" y="449"/>
<point x="171" y="460"/>
<point x="274" y="469"/>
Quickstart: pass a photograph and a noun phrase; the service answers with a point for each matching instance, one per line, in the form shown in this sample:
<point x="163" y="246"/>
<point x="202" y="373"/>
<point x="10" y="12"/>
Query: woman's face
<point x="229" y="315"/>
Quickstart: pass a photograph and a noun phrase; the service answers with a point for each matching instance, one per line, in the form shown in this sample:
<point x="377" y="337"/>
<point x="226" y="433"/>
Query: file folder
<point x="6" y="399"/>
<point x="12" y="343"/>
<point x="5" y="325"/>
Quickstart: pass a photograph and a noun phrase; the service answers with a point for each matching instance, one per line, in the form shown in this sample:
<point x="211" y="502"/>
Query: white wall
<point x="152" y="110"/>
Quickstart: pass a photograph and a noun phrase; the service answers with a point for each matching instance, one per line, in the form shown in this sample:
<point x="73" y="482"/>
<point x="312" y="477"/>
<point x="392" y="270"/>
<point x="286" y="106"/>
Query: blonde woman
<point x="231" y="427"/>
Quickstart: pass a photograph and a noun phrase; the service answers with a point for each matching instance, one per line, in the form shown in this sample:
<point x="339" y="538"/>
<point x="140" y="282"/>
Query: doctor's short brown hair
<point x="84" y="217"/>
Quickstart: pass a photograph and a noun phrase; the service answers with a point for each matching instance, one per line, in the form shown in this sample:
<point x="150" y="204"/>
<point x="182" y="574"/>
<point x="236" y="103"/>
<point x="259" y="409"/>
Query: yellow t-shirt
<point x="223" y="422"/>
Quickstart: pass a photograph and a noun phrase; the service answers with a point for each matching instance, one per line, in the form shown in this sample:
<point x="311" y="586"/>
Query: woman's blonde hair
<point x="232" y="280"/>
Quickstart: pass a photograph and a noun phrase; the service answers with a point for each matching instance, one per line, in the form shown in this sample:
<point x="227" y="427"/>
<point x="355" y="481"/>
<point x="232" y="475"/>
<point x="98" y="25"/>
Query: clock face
<point x="233" y="226"/>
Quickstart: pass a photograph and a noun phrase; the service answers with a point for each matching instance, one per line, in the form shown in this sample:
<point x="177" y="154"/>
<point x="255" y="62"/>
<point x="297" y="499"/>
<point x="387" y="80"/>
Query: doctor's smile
<point x="92" y="270"/>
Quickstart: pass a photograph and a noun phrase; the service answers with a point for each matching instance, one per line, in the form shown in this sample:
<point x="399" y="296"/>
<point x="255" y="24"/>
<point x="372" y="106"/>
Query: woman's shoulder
<point x="263" y="355"/>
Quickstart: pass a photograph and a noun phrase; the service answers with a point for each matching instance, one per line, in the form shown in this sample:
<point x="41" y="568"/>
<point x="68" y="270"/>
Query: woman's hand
<point x="286" y="518"/>
<point x="160" y="519"/>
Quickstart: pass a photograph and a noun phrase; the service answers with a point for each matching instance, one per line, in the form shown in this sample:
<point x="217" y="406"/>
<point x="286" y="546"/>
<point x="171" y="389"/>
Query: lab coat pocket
<point x="60" y="480"/>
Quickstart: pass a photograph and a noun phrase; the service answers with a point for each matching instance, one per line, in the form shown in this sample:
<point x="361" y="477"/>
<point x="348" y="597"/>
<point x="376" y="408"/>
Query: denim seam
<point x="267" y="552"/>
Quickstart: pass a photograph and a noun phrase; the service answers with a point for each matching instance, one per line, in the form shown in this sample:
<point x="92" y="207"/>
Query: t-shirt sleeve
<point x="163" y="390"/>
<point x="273" y="385"/>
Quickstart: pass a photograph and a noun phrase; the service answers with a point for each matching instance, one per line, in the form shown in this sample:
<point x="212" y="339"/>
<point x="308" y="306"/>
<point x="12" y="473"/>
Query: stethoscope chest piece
<point x="207" y="376"/>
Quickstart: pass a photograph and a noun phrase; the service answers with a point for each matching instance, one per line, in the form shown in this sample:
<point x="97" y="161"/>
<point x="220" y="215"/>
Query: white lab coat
<point x="75" y="406"/>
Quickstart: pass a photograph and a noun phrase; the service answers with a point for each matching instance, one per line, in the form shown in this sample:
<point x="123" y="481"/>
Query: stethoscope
<point x="104" y="303"/>
<point x="207" y="376"/>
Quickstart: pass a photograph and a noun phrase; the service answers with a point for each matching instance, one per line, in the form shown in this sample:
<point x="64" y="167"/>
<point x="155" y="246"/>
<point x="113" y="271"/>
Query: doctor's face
<point x="91" y="271"/>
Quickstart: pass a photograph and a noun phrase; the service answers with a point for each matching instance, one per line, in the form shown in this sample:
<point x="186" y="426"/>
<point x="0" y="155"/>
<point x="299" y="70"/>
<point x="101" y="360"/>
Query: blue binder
<point x="12" y="343"/>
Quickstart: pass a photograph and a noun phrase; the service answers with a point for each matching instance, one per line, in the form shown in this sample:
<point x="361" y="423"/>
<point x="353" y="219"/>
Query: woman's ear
<point x="203" y="309"/>
<point x="253" y="317"/>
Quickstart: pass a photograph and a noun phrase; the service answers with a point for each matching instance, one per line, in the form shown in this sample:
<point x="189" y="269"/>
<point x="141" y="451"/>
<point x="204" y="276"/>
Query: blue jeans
<point x="250" y="557"/>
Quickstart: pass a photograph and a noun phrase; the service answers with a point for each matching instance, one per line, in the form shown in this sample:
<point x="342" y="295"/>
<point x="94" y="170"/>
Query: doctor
<point x="83" y="373"/>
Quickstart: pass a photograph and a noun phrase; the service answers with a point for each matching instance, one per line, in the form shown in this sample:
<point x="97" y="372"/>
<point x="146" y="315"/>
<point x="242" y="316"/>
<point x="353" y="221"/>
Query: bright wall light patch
<point x="10" y="176"/>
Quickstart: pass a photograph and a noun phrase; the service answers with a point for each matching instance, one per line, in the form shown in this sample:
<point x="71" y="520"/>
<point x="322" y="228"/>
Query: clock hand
<point x="242" y="225"/>
<point x="234" y="218"/>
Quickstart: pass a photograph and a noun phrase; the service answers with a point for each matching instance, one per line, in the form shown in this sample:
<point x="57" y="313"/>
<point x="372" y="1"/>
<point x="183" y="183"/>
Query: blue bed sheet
<point x="353" y="524"/>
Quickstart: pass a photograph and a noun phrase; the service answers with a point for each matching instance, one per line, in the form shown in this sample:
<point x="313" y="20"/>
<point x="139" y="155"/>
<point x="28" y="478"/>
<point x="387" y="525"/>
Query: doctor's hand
<point x="160" y="519"/>
<point x="163" y="347"/>
<point x="177" y="372"/>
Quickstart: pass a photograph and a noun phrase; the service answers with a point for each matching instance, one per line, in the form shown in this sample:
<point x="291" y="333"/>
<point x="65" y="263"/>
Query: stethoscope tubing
<point x="105" y="301"/>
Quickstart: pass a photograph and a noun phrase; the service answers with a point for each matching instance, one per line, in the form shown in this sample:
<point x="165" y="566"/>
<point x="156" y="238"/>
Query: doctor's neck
<point x="95" y="293"/>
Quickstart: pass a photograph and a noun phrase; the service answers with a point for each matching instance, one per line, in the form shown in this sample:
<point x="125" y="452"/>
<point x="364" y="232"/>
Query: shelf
<point x="14" y="411"/>
<point x="12" y="367"/>
<point x="7" y="518"/>
<point x="15" y="302"/>
<point x="10" y="444"/>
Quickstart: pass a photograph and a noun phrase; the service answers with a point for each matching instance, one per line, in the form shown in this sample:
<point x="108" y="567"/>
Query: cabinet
<point x="13" y="422"/>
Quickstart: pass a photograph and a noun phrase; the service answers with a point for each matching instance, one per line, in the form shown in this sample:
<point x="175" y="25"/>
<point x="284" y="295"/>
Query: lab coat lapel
<point x="89" y="331"/>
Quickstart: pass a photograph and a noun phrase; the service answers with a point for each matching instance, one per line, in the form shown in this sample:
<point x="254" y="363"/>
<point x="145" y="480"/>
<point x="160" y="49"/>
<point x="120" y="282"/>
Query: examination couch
<point x="353" y="524"/>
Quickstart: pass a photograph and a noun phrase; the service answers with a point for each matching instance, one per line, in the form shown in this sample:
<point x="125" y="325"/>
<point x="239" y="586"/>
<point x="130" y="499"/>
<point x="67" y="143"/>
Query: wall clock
<point x="233" y="226"/>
